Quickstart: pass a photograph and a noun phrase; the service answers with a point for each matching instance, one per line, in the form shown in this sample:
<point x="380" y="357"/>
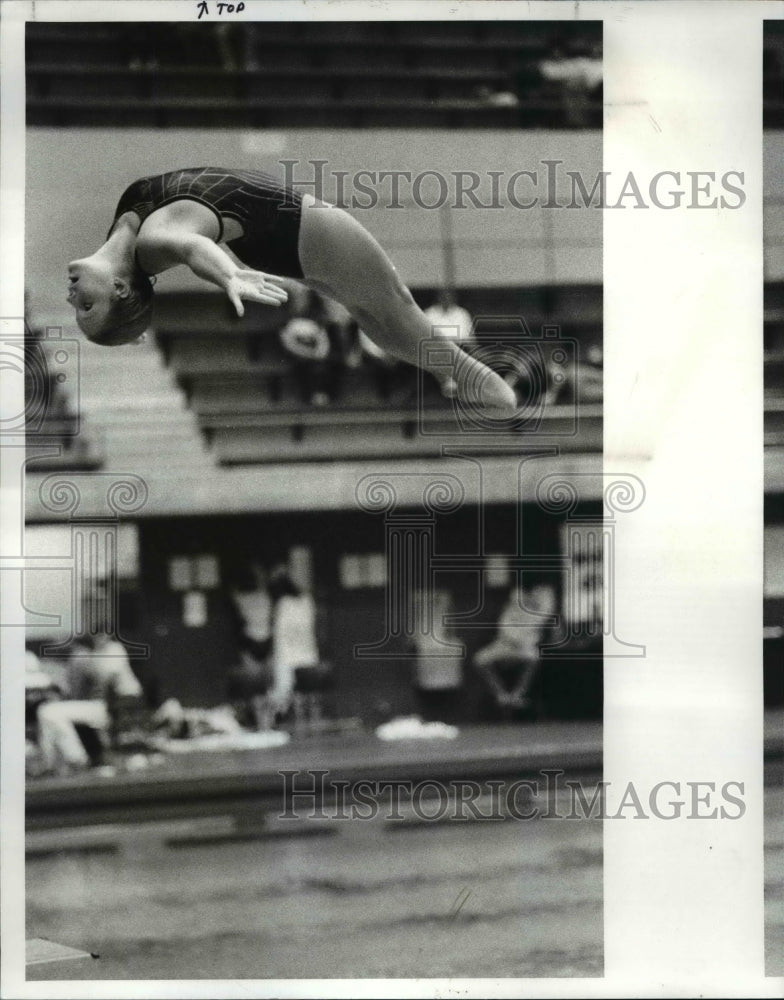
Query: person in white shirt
<point x="94" y="677"/>
<point x="450" y="319"/>
<point x="249" y="682"/>
<point x="40" y="687"/>
<point x="510" y="663"/>
<point x="438" y="668"/>
<point x="37" y="678"/>
<point x="294" y="644"/>
<point x="579" y="78"/>
<point x="254" y="608"/>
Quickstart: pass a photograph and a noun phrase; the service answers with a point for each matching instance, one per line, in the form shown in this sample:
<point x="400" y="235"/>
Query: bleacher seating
<point x="774" y="317"/>
<point x="382" y="433"/>
<point x="774" y="421"/>
<point x="774" y="364"/>
<point x="773" y="74"/>
<point x="244" y="394"/>
<point x="299" y="73"/>
<point x="274" y="74"/>
<point x="56" y="434"/>
<point x="247" y="396"/>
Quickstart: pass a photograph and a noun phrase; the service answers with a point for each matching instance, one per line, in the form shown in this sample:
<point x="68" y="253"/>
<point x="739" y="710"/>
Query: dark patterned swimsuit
<point x="268" y="212"/>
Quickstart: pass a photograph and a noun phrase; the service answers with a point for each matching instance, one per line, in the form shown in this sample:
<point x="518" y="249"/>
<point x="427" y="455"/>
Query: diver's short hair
<point x="128" y="317"/>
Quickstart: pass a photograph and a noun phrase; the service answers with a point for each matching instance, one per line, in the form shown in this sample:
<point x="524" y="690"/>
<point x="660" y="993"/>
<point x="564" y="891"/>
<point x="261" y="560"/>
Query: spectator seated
<point x="510" y="664"/>
<point x="94" y="742"/>
<point x="510" y="676"/>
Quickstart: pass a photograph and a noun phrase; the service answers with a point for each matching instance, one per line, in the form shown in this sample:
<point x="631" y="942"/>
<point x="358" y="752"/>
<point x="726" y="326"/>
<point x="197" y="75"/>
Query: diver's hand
<point x="253" y="286"/>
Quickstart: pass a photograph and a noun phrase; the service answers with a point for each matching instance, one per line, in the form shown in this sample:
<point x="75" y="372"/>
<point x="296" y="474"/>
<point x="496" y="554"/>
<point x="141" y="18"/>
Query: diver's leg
<point x="340" y="258"/>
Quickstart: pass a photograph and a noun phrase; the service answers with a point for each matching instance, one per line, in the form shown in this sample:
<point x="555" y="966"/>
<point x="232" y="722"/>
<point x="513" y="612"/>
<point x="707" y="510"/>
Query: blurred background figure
<point x="317" y="360"/>
<point x="97" y="677"/>
<point x="510" y="663"/>
<point x="576" y="79"/>
<point x="438" y="668"/>
<point x="254" y="610"/>
<point x="299" y="677"/>
<point x="450" y="320"/>
<point x="40" y="687"/>
<point x="250" y="681"/>
<point x="43" y="675"/>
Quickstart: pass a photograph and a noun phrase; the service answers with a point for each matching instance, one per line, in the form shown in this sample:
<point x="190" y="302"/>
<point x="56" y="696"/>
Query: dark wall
<point x="773" y="618"/>
<point x="192" y="663"/>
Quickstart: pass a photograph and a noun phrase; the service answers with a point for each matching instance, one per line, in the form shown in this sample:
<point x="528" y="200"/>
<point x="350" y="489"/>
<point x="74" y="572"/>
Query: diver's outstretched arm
<point x="208" y="261"/>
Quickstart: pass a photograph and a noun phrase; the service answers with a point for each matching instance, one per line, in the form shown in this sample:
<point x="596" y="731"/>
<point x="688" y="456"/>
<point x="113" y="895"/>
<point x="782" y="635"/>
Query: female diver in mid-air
<point x="182" y="216"/>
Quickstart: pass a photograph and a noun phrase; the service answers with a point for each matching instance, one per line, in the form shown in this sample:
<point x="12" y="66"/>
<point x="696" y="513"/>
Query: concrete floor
<point x="508" y="899"/>
<point x="189" y="899"/>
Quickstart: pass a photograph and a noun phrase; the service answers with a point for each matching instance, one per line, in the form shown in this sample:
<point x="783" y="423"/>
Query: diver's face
<point x="91" y="291"/>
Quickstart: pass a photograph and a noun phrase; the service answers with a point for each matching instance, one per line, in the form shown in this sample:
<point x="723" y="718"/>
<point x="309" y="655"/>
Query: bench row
<point x="307" y="112"/>
<point x="187" y="43"/>
<point x="388" y="435"/>
<point x="302" y="83"/>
